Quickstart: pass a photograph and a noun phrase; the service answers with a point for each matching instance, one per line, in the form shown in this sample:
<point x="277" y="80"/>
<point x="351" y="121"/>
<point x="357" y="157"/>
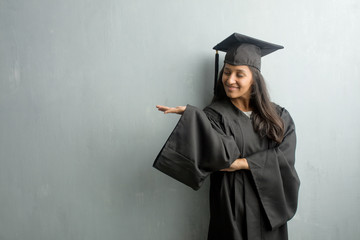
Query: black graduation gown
<point x="246" y="204"/>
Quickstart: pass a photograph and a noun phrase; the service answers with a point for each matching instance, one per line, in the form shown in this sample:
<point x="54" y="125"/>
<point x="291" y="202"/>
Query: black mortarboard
<point x="243" y="50"/>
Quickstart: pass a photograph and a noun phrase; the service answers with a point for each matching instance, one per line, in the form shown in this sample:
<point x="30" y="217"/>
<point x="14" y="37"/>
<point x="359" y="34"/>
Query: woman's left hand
<point x="238" y="164"/>
<point x="178" y="110"/>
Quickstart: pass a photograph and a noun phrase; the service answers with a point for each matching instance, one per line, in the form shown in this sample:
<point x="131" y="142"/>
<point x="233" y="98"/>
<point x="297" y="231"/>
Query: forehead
<point x="243" y="68"/>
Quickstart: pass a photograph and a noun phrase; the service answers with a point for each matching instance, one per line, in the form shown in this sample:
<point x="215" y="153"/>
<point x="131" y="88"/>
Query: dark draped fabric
<point x="246" y="204"/>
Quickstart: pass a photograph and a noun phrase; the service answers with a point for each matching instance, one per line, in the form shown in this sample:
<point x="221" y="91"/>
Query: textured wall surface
<point x="79" y="81"/>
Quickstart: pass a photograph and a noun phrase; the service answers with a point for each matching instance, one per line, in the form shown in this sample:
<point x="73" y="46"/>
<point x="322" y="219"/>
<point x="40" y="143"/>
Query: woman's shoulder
<point x="219" y="108"/>
<point x="283" y="113"/>
<point x="280" y="109"/>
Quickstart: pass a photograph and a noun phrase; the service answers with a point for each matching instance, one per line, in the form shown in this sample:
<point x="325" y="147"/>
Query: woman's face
<point x="237" y="81"/>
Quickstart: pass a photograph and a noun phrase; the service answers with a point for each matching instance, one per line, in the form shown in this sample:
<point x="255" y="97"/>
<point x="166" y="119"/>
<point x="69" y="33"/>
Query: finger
<point x="162" y="108"/>
<point x="227" y="170"/>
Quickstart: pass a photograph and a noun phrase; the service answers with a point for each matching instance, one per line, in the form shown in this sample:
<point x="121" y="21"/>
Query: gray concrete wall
<point x="79" y="81"/>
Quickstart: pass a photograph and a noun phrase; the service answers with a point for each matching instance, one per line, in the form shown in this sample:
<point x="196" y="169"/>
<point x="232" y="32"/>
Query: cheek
<point x="247" y="83"/>
<point x="243" y="83"/>
<point x="223" y="78"/>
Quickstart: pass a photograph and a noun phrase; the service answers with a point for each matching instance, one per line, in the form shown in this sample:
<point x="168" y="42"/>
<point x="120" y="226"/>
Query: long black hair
<point x="266" y="120"/>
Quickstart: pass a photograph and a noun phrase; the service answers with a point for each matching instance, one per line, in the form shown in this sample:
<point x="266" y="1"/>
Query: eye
<point x="226" y="73"/>
<point x="239" y="75"/>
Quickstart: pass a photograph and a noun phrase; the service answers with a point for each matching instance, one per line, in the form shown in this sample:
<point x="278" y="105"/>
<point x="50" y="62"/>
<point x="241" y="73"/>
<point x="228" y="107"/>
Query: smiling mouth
<point x="231" y="87"/>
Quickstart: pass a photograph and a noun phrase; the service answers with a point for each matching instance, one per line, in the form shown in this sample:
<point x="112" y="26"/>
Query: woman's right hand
<point x="178" y="110"/>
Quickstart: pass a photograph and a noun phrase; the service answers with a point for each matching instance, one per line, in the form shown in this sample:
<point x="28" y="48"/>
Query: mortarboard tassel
<point x="216" y="68"/>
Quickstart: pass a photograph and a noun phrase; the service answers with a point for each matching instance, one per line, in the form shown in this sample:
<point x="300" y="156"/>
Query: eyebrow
<point x="236" y="70"/>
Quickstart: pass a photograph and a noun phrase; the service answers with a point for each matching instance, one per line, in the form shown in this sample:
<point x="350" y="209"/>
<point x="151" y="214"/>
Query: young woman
<point x="244" y="142"/>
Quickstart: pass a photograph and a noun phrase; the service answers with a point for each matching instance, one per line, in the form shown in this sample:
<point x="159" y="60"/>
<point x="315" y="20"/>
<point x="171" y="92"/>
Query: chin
<point x="231" y="95"/>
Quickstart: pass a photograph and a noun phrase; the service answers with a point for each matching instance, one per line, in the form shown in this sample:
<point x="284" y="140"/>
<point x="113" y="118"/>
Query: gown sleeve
<point x="275" y="176"/>
<point x="197" y="146"/>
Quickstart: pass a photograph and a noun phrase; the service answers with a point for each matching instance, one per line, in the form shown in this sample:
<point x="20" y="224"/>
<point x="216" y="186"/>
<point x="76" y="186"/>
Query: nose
<point x="231" y="79"/>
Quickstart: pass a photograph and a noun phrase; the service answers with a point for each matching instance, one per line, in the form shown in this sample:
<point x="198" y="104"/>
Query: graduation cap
<point x="243" y="50"/>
